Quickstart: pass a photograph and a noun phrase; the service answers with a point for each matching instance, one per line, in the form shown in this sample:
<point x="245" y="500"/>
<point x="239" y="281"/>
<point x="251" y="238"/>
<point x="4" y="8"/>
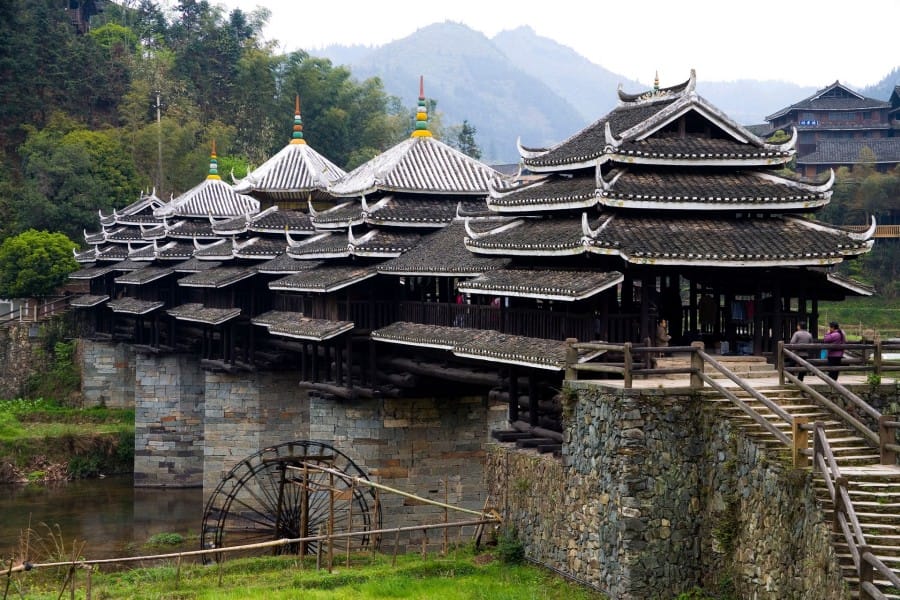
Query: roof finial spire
<point x="656" y="81"/>
<point x="421" y="129"/>
<point x="213" y="164"/>
<point x="297" y="135"/>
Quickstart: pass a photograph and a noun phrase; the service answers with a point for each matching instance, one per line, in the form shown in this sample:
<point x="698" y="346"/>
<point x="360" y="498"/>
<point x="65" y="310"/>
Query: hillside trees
<point x="34" y="263"/>
<point x="79" y="124"/>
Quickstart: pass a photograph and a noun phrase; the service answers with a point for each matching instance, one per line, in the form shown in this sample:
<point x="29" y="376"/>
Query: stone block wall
<point x="168" y="420"/>
<point x="430" y="447"/>
<point x="107" y="373"/>
<point x="20" y="357"/>
<point x="245" y="413"/>
<point x="656" y="494"/>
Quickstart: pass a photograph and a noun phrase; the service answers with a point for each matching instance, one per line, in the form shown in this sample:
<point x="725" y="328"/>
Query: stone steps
<point x="874" y="490"/>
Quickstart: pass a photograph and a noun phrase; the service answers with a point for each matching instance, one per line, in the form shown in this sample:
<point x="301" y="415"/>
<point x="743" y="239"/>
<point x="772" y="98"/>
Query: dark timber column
<point x="645" y="310"/>
<point x="532" y="401"/>
<point x="513" y="394"/>
<point x="692" y="308"/>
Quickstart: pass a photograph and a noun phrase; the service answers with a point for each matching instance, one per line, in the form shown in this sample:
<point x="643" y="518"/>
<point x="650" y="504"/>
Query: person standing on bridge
<point x="835" y="335"/>
<point x="801" y="336"/>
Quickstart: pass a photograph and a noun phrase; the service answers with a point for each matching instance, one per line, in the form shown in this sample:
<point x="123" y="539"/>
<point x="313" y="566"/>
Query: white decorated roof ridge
<point x="421" y="165"/>
<point x="145" y="201"/>
<point x="209" y="198"/>
<point x="295" y="168"/>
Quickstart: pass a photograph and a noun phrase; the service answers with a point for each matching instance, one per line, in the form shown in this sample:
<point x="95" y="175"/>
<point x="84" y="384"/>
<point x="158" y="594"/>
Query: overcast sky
<point x="808" y="42"/>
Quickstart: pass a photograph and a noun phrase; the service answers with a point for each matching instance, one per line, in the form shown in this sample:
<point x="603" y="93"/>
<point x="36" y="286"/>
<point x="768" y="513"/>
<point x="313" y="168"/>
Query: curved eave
<point x="508" y="360"/>
<point x="318" y="255"/>
<point x="516" y="251"/>
<point x="714" y="205"/>
<point x="849" y="284"/>
<point x="730" y="261"/>
<point x="281" y="332"/>
<point x="551" y="206"/>
<point x="408" y="224"/>
<point x="326" y="289"/>
<point x="693" y="161"/>
<point x="377" y="253"/>
<point x="581" y="162"/>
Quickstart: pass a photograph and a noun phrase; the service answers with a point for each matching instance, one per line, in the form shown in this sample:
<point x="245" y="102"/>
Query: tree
<point x="35" y="263"/>
<point x="462" y="138"/>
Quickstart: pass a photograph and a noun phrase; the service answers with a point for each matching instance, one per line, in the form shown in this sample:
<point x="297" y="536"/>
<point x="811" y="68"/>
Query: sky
<point x="807" y="42"/>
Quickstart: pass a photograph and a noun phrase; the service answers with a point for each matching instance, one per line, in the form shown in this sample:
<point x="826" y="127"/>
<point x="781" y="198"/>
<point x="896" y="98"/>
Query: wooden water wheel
<point x="279" y="493"/>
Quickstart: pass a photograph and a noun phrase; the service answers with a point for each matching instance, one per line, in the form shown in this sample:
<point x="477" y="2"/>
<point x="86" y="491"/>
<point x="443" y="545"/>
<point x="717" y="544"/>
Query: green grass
<point x="461" y="576"/>
<point x="37" y="434"/>
<point x="861" y="317"/>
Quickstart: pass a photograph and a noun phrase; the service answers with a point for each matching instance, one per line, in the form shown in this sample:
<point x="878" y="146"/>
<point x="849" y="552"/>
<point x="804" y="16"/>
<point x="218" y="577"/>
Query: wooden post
<point x="424" y="544"/>
<point x="330" y="522"/>
<point x="876" y="355"/>
<point x="628" y="365"/>
<point x="779" y="361"/>
<point x="866" y="572"/>
<point x="571" y="359"/>
<point x="513" y="387"/>
<point x="696" y="366"/>
<point x="885" y="437"/>
<point x="350" y="518"/>
<point x="839" y="483"/>
<point x="446" y="517"/>
<point x="800" y="442"/>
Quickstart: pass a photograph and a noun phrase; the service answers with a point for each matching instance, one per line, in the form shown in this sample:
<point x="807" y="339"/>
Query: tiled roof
<point x="380" y="243"/>
<point x="92" y="272"/>
<point x="412" y="212"/>
<point x="124" y="234"/>
<point x="133" y="306"/>
<point x="217" y="278"/>
<point x="432" y="336"/>
<point x="533" y="236"/>
<point x="233" y="225"/>
<point x="87" y="256"/>
<point x="194" y="265"/>
<point x="552" y="284"/>
<point x="221" y="250"/>
<point x="325" y="279"/>
<point x="419" y="165"/>
<point x="325" y="245"/>
<point x="145" y="275"/>
<point x="695" y="148"/>
<point x="834" y="97"/>
<point x="87" y="301"/>
<point x="680" y="240"/>
<point x="114" y="252"/>
<point x="154" y="232"/>
<point x="846" y="152"/>
<point x="285" y="264"/>
<point x="340" y="216"/>
<point x="175" y="251"/>
<point x="190" y="229"/>
<point x="295" y="325"/>
<point x="478" y="344"/>
<point x="209" y="198"/>
<point x="589" y="143"/>
<point x="673" y="189"/>
<point x="95" y="238"/>
<point x="554" y="192"/>
<point x="279" y="221"/>
<point x="293" y="172"/>
<point x="129" y="265"/>
<point x="135" y="213"/>
<point x="441" y="253"/>
<point x="198" y="313"/>
<point x="260" y="247"/>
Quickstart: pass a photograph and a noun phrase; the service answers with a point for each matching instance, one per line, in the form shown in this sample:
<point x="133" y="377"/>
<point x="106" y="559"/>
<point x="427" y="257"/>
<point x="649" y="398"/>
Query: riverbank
<point x="42" y="440"/>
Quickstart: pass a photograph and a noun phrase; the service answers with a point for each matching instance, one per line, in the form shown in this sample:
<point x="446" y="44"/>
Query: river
<point x="109" y="516"/>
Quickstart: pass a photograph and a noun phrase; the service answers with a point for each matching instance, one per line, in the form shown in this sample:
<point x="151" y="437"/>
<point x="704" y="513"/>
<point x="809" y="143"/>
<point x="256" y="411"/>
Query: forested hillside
<point x="79" y="127"/>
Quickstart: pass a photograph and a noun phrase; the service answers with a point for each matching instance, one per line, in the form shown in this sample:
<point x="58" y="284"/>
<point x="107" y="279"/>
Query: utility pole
<point x="159" y="166"/>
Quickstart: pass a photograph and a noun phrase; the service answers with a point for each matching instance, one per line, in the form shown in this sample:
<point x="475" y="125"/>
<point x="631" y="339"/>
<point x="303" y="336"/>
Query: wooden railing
<point x="845" y="520"/>
<point x="885" y="436"/>
<point x="37" y="309"/>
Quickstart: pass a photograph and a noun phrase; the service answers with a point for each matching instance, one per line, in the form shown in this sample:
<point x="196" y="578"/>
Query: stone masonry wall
<point x="430" y="447"/>
<point x="107" y="373"/>
<point x="246" y="413"/>
<point x="168" y="420"/>
<point x="20" y="357"/>
<point x="656" y="494"/>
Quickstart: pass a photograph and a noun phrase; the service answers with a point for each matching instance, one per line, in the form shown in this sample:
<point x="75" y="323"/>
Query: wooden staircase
<point x="874" y="489"/>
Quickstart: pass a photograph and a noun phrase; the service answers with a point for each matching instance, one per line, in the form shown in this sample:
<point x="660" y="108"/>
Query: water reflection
<point x="110" y="516"/>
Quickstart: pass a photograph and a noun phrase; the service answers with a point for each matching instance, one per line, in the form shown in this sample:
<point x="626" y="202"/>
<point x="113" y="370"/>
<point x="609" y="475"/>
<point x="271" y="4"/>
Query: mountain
<point x="522" y="85"/>
<point x="471" y="79"/>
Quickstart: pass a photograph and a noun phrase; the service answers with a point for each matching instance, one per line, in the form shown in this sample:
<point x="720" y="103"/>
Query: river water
<point x="109" y="516"/>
